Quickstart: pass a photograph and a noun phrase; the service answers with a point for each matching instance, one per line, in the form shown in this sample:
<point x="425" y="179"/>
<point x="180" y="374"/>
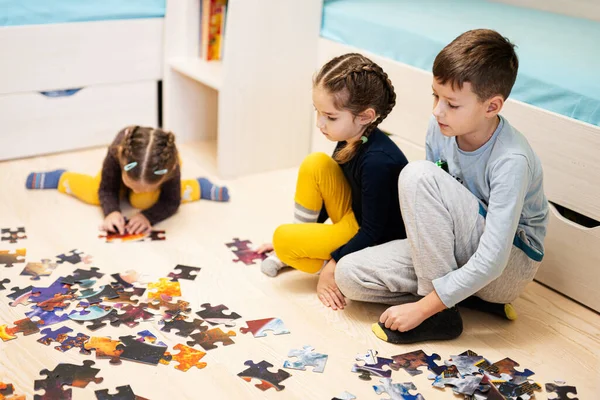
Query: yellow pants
<point x="85" y="188"/>
<point x="306" y="246"/>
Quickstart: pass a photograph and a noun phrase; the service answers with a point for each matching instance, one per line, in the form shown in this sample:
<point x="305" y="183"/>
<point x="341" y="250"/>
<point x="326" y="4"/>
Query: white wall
<point x="589" y="9"/>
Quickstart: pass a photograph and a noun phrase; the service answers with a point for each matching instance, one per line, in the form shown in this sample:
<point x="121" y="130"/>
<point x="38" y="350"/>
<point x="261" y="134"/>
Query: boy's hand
<point x="327" y="290"/>
<point x="403" y="317"/>
<point x="264" y="248"/>
<point x="138" y="224"/>
<point x="114" y="222"/>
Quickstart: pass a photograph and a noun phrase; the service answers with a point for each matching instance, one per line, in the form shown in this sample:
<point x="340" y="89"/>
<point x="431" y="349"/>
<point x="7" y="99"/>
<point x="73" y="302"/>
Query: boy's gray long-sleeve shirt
<point x="506" y="176"/>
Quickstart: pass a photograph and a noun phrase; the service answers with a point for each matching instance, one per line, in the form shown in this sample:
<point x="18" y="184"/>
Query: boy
<point x="477" y="229"/>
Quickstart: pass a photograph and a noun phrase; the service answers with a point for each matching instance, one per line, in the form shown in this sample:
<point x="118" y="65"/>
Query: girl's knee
<point x="283" y="240"/>
<point x="316" y="162"/>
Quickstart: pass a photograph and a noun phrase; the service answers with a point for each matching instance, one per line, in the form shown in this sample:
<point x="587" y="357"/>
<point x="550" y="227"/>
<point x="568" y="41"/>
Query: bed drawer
<point x="571" y="264"/>
<point x="58" y="56"/>
<point x="33" y="123"/>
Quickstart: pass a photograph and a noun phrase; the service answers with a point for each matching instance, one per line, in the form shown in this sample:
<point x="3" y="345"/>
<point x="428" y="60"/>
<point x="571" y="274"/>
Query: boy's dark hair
<point x="154" y="151"/>
<point x="481" y="57"/>
<point x="356" y="84"/>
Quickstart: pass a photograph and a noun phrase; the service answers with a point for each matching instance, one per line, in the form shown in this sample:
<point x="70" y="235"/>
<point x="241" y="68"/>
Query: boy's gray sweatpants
<point x="443" y="225"/>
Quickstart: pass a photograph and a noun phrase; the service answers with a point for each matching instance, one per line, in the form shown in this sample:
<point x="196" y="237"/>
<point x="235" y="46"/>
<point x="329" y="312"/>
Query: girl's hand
<point x="264" y="248"/>
<point x="327" y="290"/>
<point x="138" y="224"/>
<point x="114" y="222"/>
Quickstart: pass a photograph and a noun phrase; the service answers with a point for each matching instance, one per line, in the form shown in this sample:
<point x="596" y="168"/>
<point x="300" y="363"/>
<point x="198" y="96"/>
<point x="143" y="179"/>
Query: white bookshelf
<point x="256" y="102"/>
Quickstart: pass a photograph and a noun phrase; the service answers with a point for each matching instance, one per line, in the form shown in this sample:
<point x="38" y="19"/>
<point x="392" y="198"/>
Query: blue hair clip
<point x="161" y="172"/>
<point x="130" y="166"/>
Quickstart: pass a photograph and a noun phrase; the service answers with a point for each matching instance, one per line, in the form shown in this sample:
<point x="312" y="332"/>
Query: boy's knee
<point x="346" y="278"/>
<point x="415" y="172"/>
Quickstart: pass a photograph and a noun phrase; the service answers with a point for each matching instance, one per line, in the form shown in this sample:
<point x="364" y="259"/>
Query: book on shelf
<point x="213" y="16"/>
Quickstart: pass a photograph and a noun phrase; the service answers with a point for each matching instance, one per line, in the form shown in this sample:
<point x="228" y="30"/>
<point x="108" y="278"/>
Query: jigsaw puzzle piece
<point x="373" y="365"/>
<point x="46" y="318"/>
<point x="397" y="391"/>
<point x="507" y="366"/>
<point x="259" y="327"/>
<point x="20" y="296"/>
<point x="306" y="357"/>
<point x="97" y="296"/>
<point x="142" y="352"/>
<point x="105" y="347"/>
<point x="127" y="278"/>
<point x="74" y="257"/>
<point x="214" y="315"/>
<point x="132" y="315"/>
<point x="58" y="301"/>
<point x="185" y="272"/>
<point x="261" y="371"/>
<point x="466" y="365"/>
<point x="13" y="235"/>
<point x="66" y="342"/>
<point x="24" y="326"/>
<point x="208" y="339"/>
<point x="52" y="386"/>
<point x="98" y="315"/>
<point x="518" y="390"/>
<point x="466" y="385"/>
<point x="344" y="396"/>
<point x="245" y="254"/>
<point x="123" y="393"/>
<point x="163" y="287"/>
<point x="35" y="270"/>
<point x="82" y="275"/>
<point x="184" y="328"/>
<point x="415" y="359"/>
<point x="126" y="295"/>
<point x="7" y="392"/>
<point x="562" y="392"/>
<point x="3" y="282"/>
<point x="9" y="259"/>
<point x="188" y="358"/>
<point x="66" y="374"/>
<point x="41" y="294"/>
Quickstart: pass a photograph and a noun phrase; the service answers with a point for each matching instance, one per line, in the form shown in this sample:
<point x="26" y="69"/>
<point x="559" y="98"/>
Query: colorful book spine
<point x="216" y="29"/>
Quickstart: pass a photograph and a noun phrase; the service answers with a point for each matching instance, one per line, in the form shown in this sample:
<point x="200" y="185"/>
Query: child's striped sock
<point x="210" y="191"/>
<point x="304" y="215"/>
<point x="44" y="180"/>
<point x="271" y="265"/>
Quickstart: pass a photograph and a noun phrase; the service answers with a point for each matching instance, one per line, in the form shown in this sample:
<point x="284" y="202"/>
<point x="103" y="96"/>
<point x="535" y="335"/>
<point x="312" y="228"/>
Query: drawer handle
<point x="61" y="93"/>
<point x="574" y="216"/>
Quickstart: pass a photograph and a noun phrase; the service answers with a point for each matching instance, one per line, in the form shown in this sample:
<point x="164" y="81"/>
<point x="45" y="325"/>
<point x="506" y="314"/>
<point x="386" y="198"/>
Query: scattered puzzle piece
<point x="188" y="358"/>
<point x="132" y="315"/>
<point x="66" y="342"/>
<point x="397" y="391"/>
<point x="259" y="327"/>
<point x="7" y="392"/>
<point x="207" y="339"/>
<point x="185" y="272"/>
<point x="164" y="286"/>
<point x="244" y="253"/>
<point x="215" y="315"/>
<point x="19" y="296"/>
<point x="123" y="393"/>
<point x="143" y="352"/>
<point x="344" y="396"/>
<point x="105" y="347"/>
<point x="74" y="257"/>
<point x="9" y="259"/>
<point x="46" y="318"/>
<point x="514" y="390"/>
<point x="415" y="359"/>
<point x="172" y="309"/>
<point x="82" y="275"/>
<point x="96" y="296"/>
<point x="35" y="270"/>
<point x="126" y="295"/>
<point x="260" y="371"/>
<point x="126" y="279"/>
<point x="13" y="235"/>
<point x="466" y="365"/>
<point x="41" y="294"/>
<point x="562" y="392"/>
<point x="184" y="328"/>
<point x="95" y="314"/>
<point x="507" y="366"/>
<point x="306" y="357"/>
<point x="111" y="237"/>
<point x="373" y="366"/>
<point x="3" y="282"/>
<point x="24" y="326"/>
<point x="58" y="301"/>
<point x="66" y="375"/>
<point x="466" y="385"/>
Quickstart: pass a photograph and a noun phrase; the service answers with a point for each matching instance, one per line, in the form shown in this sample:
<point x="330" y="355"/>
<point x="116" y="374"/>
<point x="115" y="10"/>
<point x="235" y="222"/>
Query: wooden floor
<point x="555" y="337"/>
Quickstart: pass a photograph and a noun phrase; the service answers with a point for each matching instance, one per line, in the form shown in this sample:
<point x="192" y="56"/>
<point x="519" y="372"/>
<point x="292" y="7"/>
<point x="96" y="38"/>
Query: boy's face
<point x="459" y="112"/>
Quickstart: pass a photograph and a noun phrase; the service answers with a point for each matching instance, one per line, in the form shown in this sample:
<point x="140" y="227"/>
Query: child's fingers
<point x="323" y="299"/>
<point x="337" y="298"/>
<point x="384" y="316"/>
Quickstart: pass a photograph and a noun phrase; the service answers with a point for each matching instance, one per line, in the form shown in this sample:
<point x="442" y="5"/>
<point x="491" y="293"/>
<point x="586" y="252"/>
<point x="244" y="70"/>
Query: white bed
<point x="567" y="148"/>
<point x="69" y="83"/>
